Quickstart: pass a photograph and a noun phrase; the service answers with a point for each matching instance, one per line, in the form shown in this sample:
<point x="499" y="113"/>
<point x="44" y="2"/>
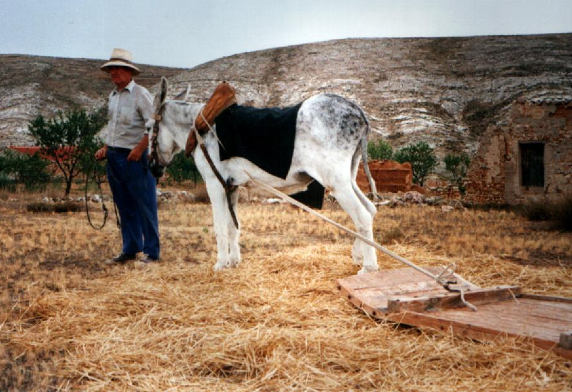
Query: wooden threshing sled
<point x="407" y="296"/>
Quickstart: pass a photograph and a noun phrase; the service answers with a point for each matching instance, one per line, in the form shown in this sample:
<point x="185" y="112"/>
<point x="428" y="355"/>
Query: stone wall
<point x="495" y="172"/>
<point x="389" y="176"/>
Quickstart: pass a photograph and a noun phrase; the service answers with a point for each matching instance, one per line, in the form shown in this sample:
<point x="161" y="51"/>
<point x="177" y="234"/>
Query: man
<point x="132" y="184"/>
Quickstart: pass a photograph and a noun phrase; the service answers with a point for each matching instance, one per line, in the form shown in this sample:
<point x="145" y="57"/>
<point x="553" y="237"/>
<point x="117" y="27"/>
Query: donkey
<point x="330" y="138"/>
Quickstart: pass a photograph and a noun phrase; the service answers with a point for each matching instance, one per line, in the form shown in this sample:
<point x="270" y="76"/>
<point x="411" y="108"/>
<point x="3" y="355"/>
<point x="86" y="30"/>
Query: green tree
<point x="422" y="159"/>
<point x="183" y="168"/>
<point x="380" y="150"/>
<point x="69" y="139"/>
<point x="456" y="166"/>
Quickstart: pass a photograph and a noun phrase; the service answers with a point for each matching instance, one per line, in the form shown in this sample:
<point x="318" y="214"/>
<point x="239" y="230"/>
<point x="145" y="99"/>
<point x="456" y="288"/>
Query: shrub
<point x="183" y="168"/>
<point x="17" y="168"/>
<point x="380" y="150"/>
<point x="457" y="166"/>
<point x="64" y="206"/>
<point x="7" y="183"/>
<point x="422" y="159"/>
<point x="68" y="206"/>
<point x="40" y="207"/>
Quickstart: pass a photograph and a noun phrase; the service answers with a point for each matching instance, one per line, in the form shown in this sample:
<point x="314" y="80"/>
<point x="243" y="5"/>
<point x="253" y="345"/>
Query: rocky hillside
<point x="441" y="90"/>
<point x="32" y="85"/>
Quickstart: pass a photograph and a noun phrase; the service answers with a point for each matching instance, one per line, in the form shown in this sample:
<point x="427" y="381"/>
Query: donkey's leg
<point x="234" y="233"/>
<point x="221" y="221"/>
<point x="363" y="220"/>
<point x="359" y="248"/>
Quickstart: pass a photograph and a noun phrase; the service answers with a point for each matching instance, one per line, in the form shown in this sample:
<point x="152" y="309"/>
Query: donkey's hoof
<point x="369" y="268"/>
<point x="220" y="266"/>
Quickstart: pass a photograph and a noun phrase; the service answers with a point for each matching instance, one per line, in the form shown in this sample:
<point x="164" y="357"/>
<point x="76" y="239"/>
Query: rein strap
<point x="228" y="189"/>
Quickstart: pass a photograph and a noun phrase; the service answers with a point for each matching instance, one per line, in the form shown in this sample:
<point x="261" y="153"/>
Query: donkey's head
<point x="162" y="147"/>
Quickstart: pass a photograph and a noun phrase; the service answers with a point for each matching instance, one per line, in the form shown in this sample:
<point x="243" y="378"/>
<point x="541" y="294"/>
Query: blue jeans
<point x="134" y="192"/>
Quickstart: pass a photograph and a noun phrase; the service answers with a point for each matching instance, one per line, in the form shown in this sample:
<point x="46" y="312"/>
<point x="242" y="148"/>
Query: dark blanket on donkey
<point x="263" y="136"/>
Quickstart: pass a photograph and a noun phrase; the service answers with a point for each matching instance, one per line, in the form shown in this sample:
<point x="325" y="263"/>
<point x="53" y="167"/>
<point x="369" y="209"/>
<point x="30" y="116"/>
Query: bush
<point x="457" y="166"/>
<point x="68" y="206"/>
<point x="183" y="168"/>
<point x="64" y="206"/>
<point x="40" y="207"/>
<point x="380" y="150"/>
<point x="422" y="159"/>
<point x="17" y="168"/>
<point x="7" y="183"/>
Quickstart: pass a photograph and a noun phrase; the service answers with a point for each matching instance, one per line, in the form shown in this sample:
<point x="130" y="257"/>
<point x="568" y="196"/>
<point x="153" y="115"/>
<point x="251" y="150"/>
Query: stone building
<point x="527" y="155"/>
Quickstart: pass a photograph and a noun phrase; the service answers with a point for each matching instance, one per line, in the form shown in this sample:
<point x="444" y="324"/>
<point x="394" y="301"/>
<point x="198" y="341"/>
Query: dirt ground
<point x="277" y="322"/>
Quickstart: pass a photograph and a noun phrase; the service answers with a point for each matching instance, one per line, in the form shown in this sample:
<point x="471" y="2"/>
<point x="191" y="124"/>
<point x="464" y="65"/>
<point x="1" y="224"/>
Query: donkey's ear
<point x="163" y="93"/>
<point x="160" y="97"/>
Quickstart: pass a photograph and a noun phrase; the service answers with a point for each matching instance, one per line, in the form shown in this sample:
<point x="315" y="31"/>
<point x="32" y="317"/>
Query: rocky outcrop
<point x="33" y="85"/>
<point x="444" y="91"/>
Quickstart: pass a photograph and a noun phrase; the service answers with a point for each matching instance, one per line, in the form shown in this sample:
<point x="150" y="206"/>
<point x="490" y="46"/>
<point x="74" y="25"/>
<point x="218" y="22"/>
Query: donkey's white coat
<point x="331" y="134"/>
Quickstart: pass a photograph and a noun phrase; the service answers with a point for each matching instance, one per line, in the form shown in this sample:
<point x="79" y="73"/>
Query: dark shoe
<point x="146" y="262"/>
<point x="122" y="258"/>
<point x="147" y="259"/>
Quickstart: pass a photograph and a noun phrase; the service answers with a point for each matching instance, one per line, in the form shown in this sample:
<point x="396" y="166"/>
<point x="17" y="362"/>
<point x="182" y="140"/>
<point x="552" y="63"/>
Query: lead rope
<point x="440" y="279"/>
<point x="103" y="206"/>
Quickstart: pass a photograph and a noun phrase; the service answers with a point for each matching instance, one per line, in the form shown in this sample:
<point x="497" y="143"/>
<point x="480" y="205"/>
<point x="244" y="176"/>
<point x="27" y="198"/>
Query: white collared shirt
<point x="128" y="111"/>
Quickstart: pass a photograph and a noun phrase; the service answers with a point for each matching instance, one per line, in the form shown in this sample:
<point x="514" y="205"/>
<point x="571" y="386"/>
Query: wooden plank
<point x="395" y="278"/>
<point x="377" y="287"/>
<point x="514" y="318"/>
<point x="451" y="300"/>
<point x="465" y="329"/>
<point x="546" y="298"/>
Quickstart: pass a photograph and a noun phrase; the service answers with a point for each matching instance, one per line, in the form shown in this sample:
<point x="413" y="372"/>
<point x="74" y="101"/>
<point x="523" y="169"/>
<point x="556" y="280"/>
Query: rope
<point x="103" y="206"/>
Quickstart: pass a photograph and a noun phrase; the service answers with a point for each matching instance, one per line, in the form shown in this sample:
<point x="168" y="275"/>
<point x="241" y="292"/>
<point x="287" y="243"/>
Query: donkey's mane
<point x="183" y="112"/>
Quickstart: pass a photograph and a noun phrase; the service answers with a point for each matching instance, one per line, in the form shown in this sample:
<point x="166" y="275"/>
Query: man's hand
<point x="101" y="154"/>
<point x="136" y="153"/>
<point x="139" y="149"/>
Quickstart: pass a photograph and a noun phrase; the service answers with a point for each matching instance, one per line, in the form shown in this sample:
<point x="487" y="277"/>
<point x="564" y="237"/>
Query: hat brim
<point x="105" y="67"/>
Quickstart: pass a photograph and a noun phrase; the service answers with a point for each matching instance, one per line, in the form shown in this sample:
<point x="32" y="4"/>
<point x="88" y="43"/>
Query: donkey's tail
<point x="364" y="159"/>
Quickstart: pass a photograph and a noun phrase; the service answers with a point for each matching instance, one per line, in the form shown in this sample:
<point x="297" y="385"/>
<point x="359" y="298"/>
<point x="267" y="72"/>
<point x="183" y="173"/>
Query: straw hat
<point x="121" y="58"/>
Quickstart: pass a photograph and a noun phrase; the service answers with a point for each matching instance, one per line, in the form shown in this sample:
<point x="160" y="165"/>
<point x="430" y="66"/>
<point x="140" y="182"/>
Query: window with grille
<point x="532" y="164"/>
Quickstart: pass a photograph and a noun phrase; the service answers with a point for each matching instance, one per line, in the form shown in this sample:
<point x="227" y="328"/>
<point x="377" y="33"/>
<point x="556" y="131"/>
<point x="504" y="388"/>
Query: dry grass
<point x="274" y="323"/>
